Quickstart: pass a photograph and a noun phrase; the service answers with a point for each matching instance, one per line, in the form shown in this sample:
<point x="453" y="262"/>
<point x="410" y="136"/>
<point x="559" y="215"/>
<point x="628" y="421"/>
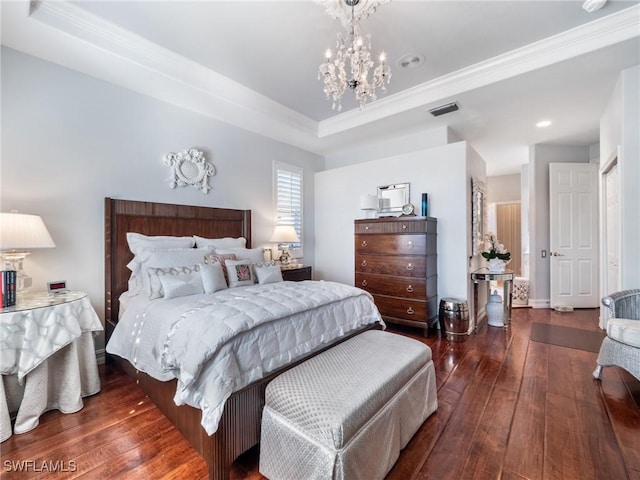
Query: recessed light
<point x="410" y="60"/>
<point x="543" y="123"/>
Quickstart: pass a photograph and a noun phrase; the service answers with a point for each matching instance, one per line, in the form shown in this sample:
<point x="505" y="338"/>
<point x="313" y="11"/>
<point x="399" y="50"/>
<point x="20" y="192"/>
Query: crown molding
<point x="111" y="53"/>
<point x="52" y="29"/>
<point x="606" y="31"/>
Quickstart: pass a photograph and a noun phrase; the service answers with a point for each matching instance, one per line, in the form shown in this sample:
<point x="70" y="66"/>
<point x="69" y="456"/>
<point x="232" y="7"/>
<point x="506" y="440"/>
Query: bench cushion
<point x="332" y="395"/>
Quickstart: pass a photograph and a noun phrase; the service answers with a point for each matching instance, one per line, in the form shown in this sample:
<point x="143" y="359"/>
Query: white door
<point x="573" y="216"/>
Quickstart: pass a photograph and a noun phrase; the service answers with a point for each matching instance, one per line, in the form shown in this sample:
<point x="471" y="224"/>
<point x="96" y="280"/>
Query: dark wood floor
<point x="509" y="408"/>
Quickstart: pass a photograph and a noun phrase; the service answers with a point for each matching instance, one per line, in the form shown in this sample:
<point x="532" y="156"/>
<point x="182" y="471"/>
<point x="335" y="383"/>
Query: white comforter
<point x="217" y="344"/>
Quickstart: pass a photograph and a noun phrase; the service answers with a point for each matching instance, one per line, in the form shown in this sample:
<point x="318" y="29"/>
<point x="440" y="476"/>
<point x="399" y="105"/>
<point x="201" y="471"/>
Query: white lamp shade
<point x="368" y="202"/>
<point x="285" y="234"/>
<point x="19" y="231"/>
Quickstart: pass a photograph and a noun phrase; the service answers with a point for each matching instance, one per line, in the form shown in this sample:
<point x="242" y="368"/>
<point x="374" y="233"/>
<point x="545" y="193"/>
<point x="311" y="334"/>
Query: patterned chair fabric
<point x="621" y="346"/>
<point x="347" y="413"/>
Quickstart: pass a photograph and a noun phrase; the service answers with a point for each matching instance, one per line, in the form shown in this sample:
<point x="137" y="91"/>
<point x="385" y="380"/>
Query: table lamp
<point x="20" y="233"/>
<point x="369" y="203"/>
<point x="284" y="236"/>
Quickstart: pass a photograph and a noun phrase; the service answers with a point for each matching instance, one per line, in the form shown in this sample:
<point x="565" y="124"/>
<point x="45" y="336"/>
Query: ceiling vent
<point x="442" y="109"/>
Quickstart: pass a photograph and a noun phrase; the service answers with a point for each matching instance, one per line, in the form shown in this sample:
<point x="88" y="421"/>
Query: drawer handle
<point x="367" y="227"/>
<point x="364" y="243"/>
<point x="410" y="244"/>
<point x="364" y="263"/>
<point x="410" y="311"/>
<point x="409" y="267"/>
<point x="404" y="226"/>
<point x="364" y="283"/>
<point x="410" y="288"/>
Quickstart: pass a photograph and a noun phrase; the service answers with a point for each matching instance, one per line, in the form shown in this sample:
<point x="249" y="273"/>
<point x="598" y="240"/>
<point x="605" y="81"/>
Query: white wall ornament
<point x="189" y="169"/>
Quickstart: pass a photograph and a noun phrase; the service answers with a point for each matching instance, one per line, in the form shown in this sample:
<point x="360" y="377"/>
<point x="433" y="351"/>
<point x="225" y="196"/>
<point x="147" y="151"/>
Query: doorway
<point x="504" y="219"/>
<point x="573" y="215"/>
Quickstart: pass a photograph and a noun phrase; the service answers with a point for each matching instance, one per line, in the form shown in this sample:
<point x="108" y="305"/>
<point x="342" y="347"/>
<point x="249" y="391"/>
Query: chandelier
<point x="353" y="55"/>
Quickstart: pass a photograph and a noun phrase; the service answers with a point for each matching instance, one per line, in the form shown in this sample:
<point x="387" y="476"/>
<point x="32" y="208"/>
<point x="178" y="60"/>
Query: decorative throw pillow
<point x="155" y="273"/>
<point x="181" y="284"/>
<point x="172" y="257"/>
<point x="212" y="277"/>
<point x="268" y="272"/>
<point x="240" y="273"/>
<point x="220" y="258"/>
<point x="226" y="242"/>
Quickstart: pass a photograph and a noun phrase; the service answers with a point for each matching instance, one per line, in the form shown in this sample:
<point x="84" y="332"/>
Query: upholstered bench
<point x="347" y="412"/>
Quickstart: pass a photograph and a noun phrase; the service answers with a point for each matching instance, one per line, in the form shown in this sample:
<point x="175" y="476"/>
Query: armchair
<point x="621" y="346"/>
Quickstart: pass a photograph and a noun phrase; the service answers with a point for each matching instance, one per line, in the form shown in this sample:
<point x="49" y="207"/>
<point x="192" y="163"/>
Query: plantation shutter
<point x="288" y="200"/>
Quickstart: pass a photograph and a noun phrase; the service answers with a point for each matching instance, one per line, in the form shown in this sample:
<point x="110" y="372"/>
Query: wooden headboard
<point x="148" y="218"/>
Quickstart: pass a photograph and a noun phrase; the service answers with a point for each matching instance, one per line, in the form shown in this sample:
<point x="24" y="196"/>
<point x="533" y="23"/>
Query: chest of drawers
<point x="396" y="261"/>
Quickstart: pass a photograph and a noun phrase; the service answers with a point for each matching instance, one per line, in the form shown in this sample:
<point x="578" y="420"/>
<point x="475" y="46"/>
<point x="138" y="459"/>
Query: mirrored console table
<point x="484" y="275"/>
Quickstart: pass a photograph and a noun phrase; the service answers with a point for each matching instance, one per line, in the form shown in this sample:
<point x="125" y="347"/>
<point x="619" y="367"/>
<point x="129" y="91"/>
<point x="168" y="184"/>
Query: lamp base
<point x="285" y="258"/>
<point x="13" y="261"/>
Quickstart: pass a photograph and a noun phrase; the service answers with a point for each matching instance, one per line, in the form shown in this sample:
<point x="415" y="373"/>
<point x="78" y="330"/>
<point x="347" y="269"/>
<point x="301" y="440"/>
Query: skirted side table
<point x="48" y="358"/>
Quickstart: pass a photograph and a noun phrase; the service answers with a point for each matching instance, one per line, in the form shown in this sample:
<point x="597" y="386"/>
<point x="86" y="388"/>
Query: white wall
<point x="69" y="141"/>
<point x="539" y="223"/>
<point x="377" y="147"/>
<point x="620" y="127"/>
<point x="441" y="172"/>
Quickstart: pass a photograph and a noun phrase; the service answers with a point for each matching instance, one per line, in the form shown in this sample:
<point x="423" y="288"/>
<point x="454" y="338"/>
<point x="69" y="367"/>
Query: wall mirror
<point x="391" y="198"/>
<point x="478" y="214"/>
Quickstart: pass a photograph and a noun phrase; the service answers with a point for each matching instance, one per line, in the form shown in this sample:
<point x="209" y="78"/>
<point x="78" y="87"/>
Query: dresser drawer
<point x="414" y="310"/>
<point x="406" y="287"/>
<point x="391" y="244"/>
<point x="401" y="265"/>
<point x="402" y="225"/>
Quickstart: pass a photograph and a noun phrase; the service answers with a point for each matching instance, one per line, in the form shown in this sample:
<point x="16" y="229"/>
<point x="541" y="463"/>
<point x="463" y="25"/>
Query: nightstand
<point x="295" y="273"/>
<point x="47" y="340"/>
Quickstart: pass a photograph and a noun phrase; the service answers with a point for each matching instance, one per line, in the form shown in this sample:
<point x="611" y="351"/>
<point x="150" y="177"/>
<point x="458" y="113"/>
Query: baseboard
<point x="543" y="303"/>
<point x="101" y="356"/>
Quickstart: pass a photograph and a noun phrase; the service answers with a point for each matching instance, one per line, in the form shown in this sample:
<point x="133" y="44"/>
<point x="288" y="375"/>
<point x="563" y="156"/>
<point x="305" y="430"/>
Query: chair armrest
<point x="624" y="304"/>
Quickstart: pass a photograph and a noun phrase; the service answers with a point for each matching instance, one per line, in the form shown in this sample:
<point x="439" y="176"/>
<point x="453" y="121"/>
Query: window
<point x="287" y="188"/>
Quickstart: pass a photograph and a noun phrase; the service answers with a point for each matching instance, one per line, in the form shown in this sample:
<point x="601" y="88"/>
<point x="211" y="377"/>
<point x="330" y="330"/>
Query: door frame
<point x="612" y="161"/>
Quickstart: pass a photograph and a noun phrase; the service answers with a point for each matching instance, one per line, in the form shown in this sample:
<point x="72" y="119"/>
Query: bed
<point x="238" y="428"/>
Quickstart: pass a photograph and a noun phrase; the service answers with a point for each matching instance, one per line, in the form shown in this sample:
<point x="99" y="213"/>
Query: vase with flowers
<point x="496" y="254"/>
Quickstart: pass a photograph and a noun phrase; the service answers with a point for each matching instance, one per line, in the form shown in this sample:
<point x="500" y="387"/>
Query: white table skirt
<point x="58" y="383"/>
<point x="48" y="360"/>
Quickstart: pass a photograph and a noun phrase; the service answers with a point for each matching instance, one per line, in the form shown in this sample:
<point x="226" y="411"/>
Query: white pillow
<point x="181" y="284"/>
<point x="156" y="274"/>
<point x="172" y="257"/>
<point x="137" y="241"/>
<point x="226" y="242"/>
<point x="254" y="255"/>
<point x="212" y="277"/>
<point x="268" y="273"/>
<point x="240" y="272"/>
